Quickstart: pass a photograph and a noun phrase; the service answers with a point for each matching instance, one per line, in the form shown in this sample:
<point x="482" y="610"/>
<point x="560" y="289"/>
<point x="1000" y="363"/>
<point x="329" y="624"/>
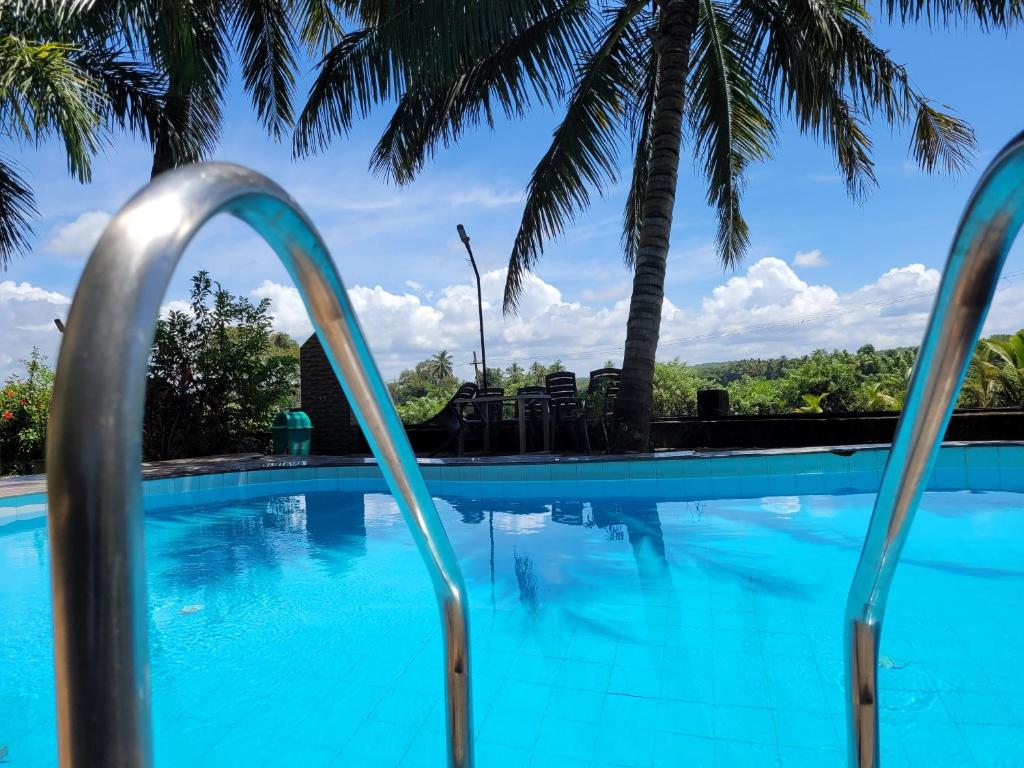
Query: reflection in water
<point x="527" y="580"/>
<point x="216" y="545"/>
<point x="336" y="522"/>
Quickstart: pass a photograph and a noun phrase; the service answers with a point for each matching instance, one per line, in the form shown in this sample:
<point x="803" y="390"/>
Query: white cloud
<point x="768" y="310"/>
<point x="287" y="308"/>
<point x="809" y="259"/>
<point x="26" y="317"/>
<point x="76" y="238"/>
<point x="175" y="305"/>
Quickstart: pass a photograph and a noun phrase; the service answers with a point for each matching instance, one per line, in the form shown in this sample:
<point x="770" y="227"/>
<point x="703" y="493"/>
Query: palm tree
<point x="191" y="44"/>
<point x="62" y="77"/>
<point x="723" y="71"/>
<point x="157" y="68"/>
<point x="1007" y="355"/>
<point x="442" y="366"/>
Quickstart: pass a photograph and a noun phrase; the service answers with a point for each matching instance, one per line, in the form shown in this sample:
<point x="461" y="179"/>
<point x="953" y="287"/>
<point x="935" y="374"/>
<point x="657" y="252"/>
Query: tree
<point x="191" y="45"/>
<point x="820" y="373"/>
<point x="647" y="73"/>
<point x="442" y="366"/>
<point x="24" y="410"/>
<point x="1008" y="357"/>
<point x="675" y="389"/>
<point x="62" y="76"/>
<point x="157" y="68"/>
<point x="756" y="396"/>
<point x="216" y="377"/>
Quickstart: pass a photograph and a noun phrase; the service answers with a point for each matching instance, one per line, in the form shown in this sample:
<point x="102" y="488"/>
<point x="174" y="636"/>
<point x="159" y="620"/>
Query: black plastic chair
<point x="567" y="407"/>
<point x="486" y="418"/>
<point x="450" y="418"/>
<point x="533" y="410"/>
<point x="602" y="390"/>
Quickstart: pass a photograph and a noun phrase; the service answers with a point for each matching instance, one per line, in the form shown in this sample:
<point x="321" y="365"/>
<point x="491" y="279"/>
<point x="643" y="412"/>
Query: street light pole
<point x="479" y="298"/>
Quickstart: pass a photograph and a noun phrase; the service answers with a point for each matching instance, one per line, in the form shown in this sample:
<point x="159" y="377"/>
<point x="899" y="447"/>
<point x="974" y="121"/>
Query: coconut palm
<point x="442" y="366"/>
<point x="62" y="77"/>
<point x="722" y="71"/>
<point x="191" y="44"/>
<point x="158" y="68"/>
<point x="1007" y="356"/>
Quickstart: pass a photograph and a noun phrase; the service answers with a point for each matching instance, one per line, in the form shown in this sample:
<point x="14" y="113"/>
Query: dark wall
<point x="335" y="430"/>
<point x="805" y="430"/>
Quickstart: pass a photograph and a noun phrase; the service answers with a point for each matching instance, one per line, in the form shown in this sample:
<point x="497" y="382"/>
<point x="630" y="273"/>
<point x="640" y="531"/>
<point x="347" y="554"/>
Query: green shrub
<point x="24" y="410"/>
<point x="748" y="396"/>
<point x="217" y="377"/>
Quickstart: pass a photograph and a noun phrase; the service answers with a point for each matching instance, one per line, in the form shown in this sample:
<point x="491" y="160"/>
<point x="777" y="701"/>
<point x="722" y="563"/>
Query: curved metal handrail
<point x="94" y="454"/>
<point x="989" y="225"/>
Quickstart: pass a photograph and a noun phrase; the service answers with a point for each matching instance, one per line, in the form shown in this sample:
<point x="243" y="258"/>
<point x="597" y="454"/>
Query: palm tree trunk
<point x="633" y="406"/>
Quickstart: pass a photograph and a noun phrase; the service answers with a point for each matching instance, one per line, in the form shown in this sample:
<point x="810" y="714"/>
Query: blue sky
<point x="816" y="258"/>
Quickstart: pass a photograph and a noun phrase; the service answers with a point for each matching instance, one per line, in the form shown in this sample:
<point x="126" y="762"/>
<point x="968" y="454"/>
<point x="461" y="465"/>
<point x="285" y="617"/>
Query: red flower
<point x="8" y="415"/>
<point x="24" y="401"/>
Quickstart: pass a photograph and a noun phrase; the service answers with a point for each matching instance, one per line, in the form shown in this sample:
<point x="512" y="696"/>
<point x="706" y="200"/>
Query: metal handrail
<point x="94" y="454"/>
<point x="989" y="225"/>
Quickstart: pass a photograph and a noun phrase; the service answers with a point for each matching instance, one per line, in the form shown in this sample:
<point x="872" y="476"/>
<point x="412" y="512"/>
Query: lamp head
<point x="462" y="234"/>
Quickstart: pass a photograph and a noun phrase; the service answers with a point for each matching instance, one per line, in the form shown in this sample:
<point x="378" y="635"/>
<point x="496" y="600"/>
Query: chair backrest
<point x="603" y="377"/>
<point x="448" y="417"/>
<point x="604" y="387"/>
<point x="561" y="385"/>
<point x="491" y="411"/>
<point x="532" y="408"/>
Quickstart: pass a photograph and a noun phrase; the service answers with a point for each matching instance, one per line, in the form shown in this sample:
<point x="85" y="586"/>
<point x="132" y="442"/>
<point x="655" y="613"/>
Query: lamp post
<point x="479" y="298"/>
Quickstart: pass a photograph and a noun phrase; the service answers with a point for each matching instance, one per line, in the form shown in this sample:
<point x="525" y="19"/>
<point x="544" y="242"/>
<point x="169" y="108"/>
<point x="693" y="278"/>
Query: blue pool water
<point x="300" y="630"/>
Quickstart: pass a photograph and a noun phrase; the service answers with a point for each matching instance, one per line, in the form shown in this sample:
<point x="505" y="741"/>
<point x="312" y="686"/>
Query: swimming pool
<point x="682" y="619"/>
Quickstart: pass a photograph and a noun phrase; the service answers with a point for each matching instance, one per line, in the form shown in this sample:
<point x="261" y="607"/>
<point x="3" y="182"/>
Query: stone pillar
<point x="335" y="430"/>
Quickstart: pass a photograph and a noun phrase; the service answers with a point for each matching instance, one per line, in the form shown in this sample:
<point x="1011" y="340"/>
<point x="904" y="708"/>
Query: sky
<point x="822" y="270"/>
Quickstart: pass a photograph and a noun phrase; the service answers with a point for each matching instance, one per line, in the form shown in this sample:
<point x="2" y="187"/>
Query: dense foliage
<point x="217" y="376"/>
<point x="24" y="408"/>
<point x="821" y="382"/>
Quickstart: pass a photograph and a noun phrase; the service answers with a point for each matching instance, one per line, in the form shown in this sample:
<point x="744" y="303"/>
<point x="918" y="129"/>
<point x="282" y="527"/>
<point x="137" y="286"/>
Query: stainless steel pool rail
<point x="94" y="453"/>
<point x="989" y="225"/>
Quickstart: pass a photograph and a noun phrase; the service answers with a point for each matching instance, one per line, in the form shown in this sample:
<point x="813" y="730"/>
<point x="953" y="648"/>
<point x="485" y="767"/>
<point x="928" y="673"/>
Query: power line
<point x="831" y="314"/>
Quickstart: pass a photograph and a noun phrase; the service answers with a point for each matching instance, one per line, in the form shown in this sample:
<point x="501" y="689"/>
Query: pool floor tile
<point x="753" y="724"/>
<point x="672" y="750"/>
<point x="569" y="739"/>
<point x="686" y="718"/>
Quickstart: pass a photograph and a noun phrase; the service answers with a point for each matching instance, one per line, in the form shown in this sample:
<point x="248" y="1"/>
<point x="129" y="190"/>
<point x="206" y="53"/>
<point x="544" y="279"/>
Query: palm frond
<point x="355" y="75"/>
<point x="43" y="93"/>
<point x="421" y="45"/>
<point x="267" y="50"/>
<point x="829" y="73"/>
<point x="584" y="150"/>
<point x="939" y="14"/>
<point x="533" y="66"/>
<point x="730" y="120"/>
<point x="319" y="24"/>
<point x="17" y="210"/>
<point x="941" y="140"/>
<point x="187" y="44"/>
<point x="133" y="92"/>
<point x="800" y="57"/>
